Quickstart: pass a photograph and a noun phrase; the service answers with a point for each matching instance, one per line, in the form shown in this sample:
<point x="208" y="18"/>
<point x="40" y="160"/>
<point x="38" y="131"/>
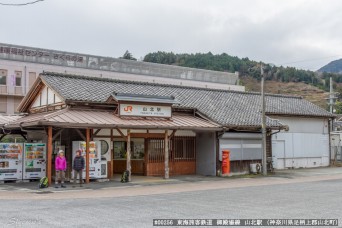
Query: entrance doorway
<point x="148" y="156"/>
<point x="137" y="156"/>
<point x="278" y="154"/>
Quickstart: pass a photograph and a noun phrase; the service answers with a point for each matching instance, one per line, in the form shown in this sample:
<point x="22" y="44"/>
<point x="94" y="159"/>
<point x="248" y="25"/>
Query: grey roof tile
<point x="228" y="108"/>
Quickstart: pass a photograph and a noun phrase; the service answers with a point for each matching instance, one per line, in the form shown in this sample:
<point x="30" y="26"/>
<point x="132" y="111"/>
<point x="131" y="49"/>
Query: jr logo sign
<point x="128" y="108"/>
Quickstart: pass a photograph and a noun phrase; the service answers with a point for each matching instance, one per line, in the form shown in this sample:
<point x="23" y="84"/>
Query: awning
<point x="74" y="118"/>
<point x="5" y="119"/>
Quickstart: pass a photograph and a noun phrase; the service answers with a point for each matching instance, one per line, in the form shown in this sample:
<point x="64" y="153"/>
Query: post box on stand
<point x="225" y="162"/>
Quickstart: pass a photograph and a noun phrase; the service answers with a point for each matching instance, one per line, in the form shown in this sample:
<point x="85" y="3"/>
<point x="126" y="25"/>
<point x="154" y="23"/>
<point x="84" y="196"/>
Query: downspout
<point x="25" y="81"/>
<point x="218" y="170"/>
<point x="329" y="131"/>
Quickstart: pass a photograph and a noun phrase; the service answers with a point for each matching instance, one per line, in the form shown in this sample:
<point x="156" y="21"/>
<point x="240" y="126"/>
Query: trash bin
<point x="225" y="162"/>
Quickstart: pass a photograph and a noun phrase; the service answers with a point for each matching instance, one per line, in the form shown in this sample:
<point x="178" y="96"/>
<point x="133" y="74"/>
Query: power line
<point x="308" y="60"/>
<point x="20" y="4"/>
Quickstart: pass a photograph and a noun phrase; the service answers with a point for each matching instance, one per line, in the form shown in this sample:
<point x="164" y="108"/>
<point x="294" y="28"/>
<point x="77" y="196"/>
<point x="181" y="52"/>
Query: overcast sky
<point x="302" y="33"/>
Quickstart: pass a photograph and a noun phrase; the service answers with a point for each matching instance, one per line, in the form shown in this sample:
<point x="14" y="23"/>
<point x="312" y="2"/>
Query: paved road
<point x="280" y="197"/>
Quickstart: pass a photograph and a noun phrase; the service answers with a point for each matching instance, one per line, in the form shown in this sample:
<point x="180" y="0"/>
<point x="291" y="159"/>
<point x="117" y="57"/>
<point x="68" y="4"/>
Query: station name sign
<point x="145" y="110"/>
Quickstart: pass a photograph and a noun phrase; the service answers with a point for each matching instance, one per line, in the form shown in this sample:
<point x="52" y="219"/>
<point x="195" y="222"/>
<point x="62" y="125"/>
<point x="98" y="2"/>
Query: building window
<point x="3" y="76"/>
<point x="18" y="75"/>
<point x="183" y="148"/>
<point x="120" y="150"/>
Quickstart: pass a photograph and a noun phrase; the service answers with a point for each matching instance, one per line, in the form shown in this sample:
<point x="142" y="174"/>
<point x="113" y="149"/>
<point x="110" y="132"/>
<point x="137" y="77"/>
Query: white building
<point x="20" y="66"/>
<point x="304" y="145"/>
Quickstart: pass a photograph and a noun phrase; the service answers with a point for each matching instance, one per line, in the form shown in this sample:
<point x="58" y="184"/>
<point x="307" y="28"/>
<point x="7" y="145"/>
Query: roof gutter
<point x="26" y="130"/>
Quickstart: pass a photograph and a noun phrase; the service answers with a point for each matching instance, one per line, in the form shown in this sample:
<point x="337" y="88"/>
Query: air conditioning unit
<point x="255" y="168"/>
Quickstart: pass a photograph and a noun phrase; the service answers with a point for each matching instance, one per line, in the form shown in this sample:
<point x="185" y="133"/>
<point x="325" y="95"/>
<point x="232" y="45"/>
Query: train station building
<point x="162" y="130"/>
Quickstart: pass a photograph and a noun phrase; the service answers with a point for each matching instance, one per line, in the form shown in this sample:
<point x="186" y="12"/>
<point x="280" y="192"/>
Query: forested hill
<point x="244" y="66"/>
<point x="332" y="67"/>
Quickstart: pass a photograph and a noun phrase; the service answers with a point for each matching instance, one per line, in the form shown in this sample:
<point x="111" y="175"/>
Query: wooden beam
<point x="172" y="134"/>
<point x="49" y="155"/>
<point x="111" y="149"/>
<point x="57" y="134"/>
<point x="91" y="134"/>
<point x="2" y="136"/>
<point x="166" y="155"/>
<point x="87" y="154"/>
<point x="146" y="157"/>
<point x="122" y="134"/>
<point x="128" y="160"/>
<point x="80" y="134"/>
<point x="22" y="135"/>
<point x="147" y="135"/>
<point x="96" y="132"/>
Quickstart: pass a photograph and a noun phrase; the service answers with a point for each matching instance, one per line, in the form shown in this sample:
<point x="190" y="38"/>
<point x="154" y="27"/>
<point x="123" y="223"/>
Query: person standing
<point x="78" y="166"/>
<point x="61" y="165"/>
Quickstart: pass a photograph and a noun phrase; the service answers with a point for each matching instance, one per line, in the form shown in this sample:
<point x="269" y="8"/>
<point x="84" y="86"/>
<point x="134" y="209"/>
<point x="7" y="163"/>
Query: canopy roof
<point x="76" y="118"/>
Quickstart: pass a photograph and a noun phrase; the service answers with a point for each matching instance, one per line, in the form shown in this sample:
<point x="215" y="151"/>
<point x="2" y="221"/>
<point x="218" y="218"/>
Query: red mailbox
<point x="225" y="162"/>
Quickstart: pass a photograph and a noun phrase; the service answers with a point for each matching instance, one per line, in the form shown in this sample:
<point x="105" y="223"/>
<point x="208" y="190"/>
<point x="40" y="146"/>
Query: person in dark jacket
<point x="78" y="166"/>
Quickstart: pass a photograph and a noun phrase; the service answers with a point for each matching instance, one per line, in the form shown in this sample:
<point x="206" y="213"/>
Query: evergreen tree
<point x="128" y="55"/>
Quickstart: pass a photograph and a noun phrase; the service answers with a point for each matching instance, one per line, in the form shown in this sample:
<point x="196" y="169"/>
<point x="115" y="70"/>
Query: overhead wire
<point x="20" y="4"/>
<point x="308" y="66"/>
<point x="308" y="60"/>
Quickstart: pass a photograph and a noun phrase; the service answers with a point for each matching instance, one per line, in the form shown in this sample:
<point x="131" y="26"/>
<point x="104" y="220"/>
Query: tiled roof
<point x="228" y="108"/>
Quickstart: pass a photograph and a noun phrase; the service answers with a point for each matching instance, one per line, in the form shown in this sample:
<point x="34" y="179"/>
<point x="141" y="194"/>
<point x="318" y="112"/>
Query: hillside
<point x="332" y="67"/>
<point x="279" y="80"/>
<point x="308" y="92"/>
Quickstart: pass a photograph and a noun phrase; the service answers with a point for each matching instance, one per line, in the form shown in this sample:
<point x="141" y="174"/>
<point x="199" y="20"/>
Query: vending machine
<point x="11" y="158"/>
<point x="94" y="158"/>
<point x="34" y="161"/>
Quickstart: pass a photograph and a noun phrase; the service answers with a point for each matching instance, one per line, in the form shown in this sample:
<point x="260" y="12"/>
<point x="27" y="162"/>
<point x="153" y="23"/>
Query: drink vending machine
<point x="34" y="161"/>
<point x="11" y="158"/>
<point x="94" y="158"/>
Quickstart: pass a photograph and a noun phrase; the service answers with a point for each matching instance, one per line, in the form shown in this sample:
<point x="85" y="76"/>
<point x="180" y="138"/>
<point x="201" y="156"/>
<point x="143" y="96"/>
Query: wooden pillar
<point x="49" y="155"/>
<point x="166" y="155"/>
<point x="87" y="154"/>
<point x="111" y="154"/>
<point x="146" y="173"/>
<point x="128" y="159"/>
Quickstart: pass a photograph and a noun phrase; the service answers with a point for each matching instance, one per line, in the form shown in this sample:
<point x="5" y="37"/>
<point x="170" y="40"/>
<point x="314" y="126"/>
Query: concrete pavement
<point x="156" y="185"/>
<point x="311" y="194"/>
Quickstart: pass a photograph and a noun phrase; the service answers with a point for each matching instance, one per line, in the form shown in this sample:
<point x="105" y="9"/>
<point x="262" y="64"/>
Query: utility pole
<point x="263" y="124"/>
<point x="331" y="96"/>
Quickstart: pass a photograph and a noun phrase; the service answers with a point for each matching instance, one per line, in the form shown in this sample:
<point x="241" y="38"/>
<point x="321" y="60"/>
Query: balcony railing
<point x="17" y="90"/>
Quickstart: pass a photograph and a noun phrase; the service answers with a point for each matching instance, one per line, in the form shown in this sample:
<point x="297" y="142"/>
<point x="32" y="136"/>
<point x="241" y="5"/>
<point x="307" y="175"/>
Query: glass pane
<point x="138" y="149"/>
<point x="2" y="80"/>
<point x="18" y="81"/>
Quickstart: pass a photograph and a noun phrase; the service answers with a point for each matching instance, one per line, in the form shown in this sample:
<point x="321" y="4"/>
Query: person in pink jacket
<point x="60" y="165"/>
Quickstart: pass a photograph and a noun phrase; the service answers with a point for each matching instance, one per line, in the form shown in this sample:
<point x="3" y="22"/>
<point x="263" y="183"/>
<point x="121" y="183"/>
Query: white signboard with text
<point x="145" y="110"/>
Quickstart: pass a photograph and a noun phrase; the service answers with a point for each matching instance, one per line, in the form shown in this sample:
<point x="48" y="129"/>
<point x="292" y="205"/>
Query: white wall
<point x="305" y="145"/>
<point x="26" y="67"/>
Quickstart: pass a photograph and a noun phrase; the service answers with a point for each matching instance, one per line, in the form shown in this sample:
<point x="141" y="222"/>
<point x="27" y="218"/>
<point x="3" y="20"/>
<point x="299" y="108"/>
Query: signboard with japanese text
<point x="145" y="110"/>
<point x="39" y="54"/>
